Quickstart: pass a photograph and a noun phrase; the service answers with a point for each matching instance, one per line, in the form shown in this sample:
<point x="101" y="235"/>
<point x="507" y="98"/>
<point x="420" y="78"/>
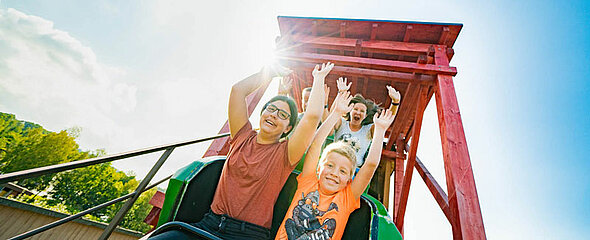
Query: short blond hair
<point x="343" y="149"/>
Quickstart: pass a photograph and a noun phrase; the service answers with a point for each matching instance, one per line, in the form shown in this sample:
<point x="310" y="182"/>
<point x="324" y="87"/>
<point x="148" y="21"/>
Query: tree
<point x="87" y="187"/>
<point x="39" y="149"/>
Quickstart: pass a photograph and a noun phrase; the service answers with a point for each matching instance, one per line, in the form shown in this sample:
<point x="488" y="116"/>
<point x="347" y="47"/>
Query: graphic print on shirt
<point x="354" y="142"/>
<point x="305" y="223"/>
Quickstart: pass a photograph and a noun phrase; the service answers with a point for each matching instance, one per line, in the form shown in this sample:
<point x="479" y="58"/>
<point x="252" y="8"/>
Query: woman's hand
<point x="342" y="103"/>
<point x="342" y="86"/>
<point x="394" y="94"/>
<point x="383" y="120"/>
<point x="323" y="71"/>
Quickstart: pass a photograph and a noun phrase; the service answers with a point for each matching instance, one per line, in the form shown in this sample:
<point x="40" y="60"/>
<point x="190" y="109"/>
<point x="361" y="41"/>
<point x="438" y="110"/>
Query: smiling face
<point x="335" y="173"/>
<point x="358" y="113"/>
<point x="271" y="124"/>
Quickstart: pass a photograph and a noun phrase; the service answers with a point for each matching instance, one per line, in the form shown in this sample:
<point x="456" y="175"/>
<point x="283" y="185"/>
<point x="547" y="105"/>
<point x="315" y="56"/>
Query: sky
<point x="134" y="74"/>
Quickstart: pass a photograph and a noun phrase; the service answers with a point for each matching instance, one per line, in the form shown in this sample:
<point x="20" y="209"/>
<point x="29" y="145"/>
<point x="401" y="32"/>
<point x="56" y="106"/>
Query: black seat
<point x="199" y="192"/>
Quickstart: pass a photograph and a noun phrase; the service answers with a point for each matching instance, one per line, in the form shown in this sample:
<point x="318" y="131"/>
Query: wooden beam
<point x="401" y="211"/>
<point x="336" y="43"/>
<point x="463" y="199"/>
<point x="408" y="33"/>
<point x="437" y="192"/>
<point x="388" y="171"/>
<point x="403" y="117"/>
<point x="383" y="75"/>
<point x="444" y="36"/>
<point x="379" y="64"/>
<point x="399" y="176"/>
<point x="343" y="29"/>
<point x="450" y="53"/>
<point x="374" y="31"/>
<point x="219" y="146"/>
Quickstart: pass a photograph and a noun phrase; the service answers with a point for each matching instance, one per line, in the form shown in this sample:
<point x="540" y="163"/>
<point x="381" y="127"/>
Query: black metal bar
<point x="80" y="214"/>
<point x="14" y="176"/>
<point x="129" y="203"/>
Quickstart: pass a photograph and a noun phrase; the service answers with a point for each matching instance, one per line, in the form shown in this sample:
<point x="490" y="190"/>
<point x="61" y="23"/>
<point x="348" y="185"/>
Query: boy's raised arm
<point x="303" y="133"/>
<point x="366" y="172"/>
<point x="341" y="106"/>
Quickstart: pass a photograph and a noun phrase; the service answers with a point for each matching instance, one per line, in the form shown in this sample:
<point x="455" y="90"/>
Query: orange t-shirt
<point x="251" y="179"/>
<point x="316" y="216"/>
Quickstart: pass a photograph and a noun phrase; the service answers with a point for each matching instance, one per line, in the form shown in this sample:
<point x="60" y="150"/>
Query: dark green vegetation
<point x="25" y="145"/>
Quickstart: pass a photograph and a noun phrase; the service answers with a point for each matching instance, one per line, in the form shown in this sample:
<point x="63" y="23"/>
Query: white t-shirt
<point x="360" y="140"/>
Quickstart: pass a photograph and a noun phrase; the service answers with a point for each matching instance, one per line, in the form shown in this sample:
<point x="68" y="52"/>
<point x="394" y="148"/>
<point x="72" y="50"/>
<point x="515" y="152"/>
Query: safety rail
<point x="142" y="187"/>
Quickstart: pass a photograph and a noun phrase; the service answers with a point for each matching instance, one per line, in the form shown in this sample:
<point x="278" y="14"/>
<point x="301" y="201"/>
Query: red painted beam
<point x="336" y="43"/>
<point x="399" y="176"/>
<point x="372" y="73"/>
<point x="219" y="146"/>
<point x="401" y="211"/>
<point x="437" y="192"/>
<point x="463" y="199"/>
<point x="380" y="64"/>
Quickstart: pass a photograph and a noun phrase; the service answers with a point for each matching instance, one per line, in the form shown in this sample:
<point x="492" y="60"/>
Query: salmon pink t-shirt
<point x="251" y="179"/>
<point x="313" y="215"/>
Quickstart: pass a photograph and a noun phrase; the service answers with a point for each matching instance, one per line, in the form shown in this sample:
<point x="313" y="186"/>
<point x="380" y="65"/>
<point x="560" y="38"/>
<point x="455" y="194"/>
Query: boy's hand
<point x="285" y="85"/>
<point x="342" y="86"/>
<point x="384" y="119"/>
<point x="323" y="71"/>
<point x="342" y="103"/>
<point x="394" y="94"/>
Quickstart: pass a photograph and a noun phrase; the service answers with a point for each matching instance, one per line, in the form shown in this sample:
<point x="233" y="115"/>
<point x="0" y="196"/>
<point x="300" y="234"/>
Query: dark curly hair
<point x="372" y="108"/>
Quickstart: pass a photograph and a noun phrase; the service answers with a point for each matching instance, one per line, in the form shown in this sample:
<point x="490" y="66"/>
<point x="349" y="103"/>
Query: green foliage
<point x="86" y="187"/>
<point x="140" y="210"/>
<point x="25" y="145"/>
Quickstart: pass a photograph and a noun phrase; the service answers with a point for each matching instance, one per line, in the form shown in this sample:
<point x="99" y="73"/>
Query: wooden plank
<point x="374" y="31"/>
<point x="463" y="199"/>
<point x="365" y="87"/>
<point x="404" y="114"/>
<point x="437" y="192"/>
<point x="380" y="64"/>
<point x="388" y="171"/>
<point x="399" y="175"/>
<point x="401" y="211"/>
<point x="343" y="29"/>
<point x="383" y="75"/>
<point x="444" y="36"/>
<point x="380" y="46"/>
<point x="219" y="146"/>
<point x="408" y="33"/>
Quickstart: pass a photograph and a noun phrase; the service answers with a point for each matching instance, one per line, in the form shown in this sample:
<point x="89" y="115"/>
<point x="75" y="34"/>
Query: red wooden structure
<point x="414" y="58"/>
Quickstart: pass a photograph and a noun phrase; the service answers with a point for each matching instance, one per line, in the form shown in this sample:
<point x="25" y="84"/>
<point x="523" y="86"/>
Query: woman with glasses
<point x="259" y="163"/>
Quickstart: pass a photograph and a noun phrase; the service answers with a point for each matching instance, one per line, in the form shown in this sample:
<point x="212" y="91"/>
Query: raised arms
<point x="303" y="133"/>
<point x="237" y="107"/>
<point x="366" y="172"/>
<point x="340" y="106"/>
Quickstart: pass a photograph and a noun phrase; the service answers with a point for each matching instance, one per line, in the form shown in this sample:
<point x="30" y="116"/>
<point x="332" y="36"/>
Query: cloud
<point x="48" y="76"/>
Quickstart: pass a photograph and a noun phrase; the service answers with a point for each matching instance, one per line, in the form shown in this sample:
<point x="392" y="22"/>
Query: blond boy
<point x="326" y="194"/>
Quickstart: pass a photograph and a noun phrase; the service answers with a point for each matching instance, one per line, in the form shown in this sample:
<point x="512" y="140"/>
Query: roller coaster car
<point x="191" y="189"/>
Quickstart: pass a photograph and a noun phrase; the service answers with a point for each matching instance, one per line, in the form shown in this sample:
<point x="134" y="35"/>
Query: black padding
<point x="283" y="203"/>
<point x="199" y="193"/>
<point x="359" y="223"/>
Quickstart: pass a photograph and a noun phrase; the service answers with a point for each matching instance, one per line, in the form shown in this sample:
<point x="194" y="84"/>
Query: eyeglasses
<point x="282" y="113"/>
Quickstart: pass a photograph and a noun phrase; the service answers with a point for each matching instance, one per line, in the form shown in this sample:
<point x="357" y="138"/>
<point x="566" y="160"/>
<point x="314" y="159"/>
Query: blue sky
<point x="143" y="73"/>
